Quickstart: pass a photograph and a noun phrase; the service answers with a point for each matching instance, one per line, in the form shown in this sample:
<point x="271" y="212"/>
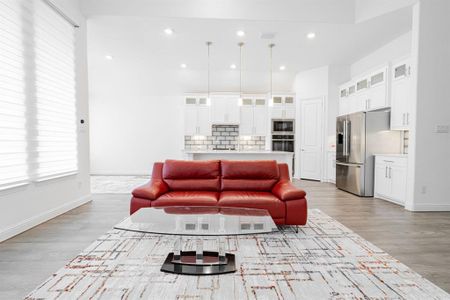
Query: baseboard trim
<point x="41" y="218"/>
<point x="428" y="207"/>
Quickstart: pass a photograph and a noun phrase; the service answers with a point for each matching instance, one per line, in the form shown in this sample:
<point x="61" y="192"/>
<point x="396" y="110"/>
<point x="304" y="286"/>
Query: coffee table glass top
<point x="199" y="221"/>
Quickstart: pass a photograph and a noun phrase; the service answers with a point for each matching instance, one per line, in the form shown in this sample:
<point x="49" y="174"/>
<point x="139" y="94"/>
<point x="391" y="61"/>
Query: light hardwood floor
<point x="420" y="240"/>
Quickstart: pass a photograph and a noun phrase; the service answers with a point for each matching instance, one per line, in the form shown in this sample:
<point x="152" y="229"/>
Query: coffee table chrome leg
<point x="221" y="242"/>
<point x="199" y="251"/>
<point x="177" y="248"/>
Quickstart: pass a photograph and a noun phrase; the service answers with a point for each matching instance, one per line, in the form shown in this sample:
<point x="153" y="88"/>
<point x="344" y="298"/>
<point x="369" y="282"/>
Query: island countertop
<point x="237" y="152"/>
<point x="279" y="156"/>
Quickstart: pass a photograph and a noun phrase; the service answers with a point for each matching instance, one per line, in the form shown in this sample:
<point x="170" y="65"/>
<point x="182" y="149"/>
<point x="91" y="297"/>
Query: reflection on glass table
<point x="200" y="222"/>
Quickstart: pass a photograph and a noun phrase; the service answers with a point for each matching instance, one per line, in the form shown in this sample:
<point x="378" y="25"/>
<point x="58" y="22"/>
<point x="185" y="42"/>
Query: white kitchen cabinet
<point x="225" y="109"/>
<point x="253" y="116"/>
<point x="204" y="120"/>
<point x="401" y="95"/>
<point x="365" y="93"/>
<point x="197" y="120"/>
<point x="343" y="100"/>
<point x="282" y="107"/>
<point x="391" y="178"/>
<point x="377" y="91"/>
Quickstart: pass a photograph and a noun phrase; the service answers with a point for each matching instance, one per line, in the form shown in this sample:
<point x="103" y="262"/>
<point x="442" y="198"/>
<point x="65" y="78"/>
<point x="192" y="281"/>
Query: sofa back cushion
<point x="251" y="175"/>
<point x="182" y="175"/>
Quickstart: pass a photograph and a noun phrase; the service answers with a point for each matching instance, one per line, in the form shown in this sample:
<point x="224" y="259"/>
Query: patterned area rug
<point x="324" y="260"/>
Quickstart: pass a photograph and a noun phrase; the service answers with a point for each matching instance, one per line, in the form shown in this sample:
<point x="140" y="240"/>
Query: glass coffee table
<point x="201" y="223"/>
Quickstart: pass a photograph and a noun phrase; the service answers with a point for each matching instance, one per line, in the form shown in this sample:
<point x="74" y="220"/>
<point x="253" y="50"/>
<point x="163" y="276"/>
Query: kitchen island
<point x="279" y="156"/>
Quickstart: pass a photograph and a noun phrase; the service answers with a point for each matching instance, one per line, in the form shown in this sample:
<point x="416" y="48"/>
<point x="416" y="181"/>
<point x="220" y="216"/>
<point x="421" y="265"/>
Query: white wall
<point x="27" y="206"/>
<point x="395" y="49"/>
<point x="368" y="9"/>
<point x="136" y="99"/>
<point x="321" y="82"/>
<point x="130" y="133"/>
<point x="311" y="83"/>
<point x="336" y="76"/>
<point x="429" y="159"/>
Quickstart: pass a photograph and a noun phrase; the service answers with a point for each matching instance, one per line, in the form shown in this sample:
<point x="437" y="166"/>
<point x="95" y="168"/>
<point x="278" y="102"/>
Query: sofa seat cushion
<point x="248" y="199"/>
<point x="187" y="198"/>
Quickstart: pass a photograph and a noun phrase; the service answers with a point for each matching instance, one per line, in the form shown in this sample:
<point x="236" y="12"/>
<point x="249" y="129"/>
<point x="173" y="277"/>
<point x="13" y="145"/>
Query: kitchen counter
<point x="392" y="155"/>
<point x="279" y="156"/>
<point x="239" y="152"/>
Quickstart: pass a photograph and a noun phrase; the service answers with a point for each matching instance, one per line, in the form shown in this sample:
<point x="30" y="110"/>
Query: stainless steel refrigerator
<point x="358" y="137"/>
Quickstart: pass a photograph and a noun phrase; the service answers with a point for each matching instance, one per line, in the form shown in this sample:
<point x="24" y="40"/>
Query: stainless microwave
<point x="283" y="126"/>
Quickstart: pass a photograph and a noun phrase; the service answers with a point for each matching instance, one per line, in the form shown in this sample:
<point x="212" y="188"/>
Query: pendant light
<point x="241" y="44"/>
<point x="208" y="44"/>
<point x="271" y="75"/>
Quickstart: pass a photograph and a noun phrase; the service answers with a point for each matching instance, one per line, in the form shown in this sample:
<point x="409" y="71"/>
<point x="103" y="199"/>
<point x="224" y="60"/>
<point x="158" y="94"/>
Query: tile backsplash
<point x="224" y="137"/>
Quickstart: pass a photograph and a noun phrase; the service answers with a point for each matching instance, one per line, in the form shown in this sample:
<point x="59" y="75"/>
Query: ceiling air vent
<point x="268" y="35"/>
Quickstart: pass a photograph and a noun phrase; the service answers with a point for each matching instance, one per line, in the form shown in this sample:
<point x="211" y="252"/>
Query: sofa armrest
<point x="151" y="190"/>
<point x="286" y="191"/>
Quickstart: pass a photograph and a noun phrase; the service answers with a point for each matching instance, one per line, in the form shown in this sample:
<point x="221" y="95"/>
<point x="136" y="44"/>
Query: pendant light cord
<point x="240" y="70"/>
<point x="208" y="44"/>
<point x="271" y="71"/>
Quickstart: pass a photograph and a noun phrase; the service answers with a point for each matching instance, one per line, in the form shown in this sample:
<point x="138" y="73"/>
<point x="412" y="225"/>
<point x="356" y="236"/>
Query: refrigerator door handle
<point x="345" y="138"/>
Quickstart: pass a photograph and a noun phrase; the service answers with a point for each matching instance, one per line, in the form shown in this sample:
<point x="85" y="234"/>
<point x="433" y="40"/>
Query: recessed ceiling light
<point x="240" y="33"/>
<point x="183" y="66"/>
<point x="282" y="68"/>
<point x="233" y="66"/>
<point x="108" y="57"/>
<point x="168" y="31"/>
<point x="311" y="35"/>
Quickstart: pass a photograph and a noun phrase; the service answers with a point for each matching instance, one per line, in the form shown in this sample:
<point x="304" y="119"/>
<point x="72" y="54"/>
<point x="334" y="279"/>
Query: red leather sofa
<point x="253" y="184"/>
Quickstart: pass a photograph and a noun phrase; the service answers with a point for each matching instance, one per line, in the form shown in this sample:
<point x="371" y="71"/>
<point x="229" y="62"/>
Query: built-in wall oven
<point x="282" y="126"/>
<point x="283" y="137"/>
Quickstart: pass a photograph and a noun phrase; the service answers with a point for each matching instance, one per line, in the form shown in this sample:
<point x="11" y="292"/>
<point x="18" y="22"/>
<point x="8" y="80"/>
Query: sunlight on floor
<point x="116" y="184"/>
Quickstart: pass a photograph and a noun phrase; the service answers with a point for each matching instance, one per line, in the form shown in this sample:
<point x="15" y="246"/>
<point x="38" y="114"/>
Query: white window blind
<point x="55" y="94"/>
<point x="14" y="15"/>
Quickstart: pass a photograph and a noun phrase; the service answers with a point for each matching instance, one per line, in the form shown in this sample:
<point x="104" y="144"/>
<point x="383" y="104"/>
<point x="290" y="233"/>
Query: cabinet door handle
<point x="386" y="172"/>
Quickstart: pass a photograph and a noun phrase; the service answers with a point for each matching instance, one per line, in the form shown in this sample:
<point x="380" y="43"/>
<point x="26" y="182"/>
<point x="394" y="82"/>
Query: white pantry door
<point x="311" y="123"/>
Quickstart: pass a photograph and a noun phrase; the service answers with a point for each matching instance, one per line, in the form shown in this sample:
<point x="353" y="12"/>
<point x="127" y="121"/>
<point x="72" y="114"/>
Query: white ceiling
<point x="332" y="11"/>
<point x="133" y="34"/>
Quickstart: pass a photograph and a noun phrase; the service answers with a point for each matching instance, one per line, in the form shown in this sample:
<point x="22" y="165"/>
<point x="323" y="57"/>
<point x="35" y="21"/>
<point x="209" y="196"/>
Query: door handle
<point x="386" y="172"/>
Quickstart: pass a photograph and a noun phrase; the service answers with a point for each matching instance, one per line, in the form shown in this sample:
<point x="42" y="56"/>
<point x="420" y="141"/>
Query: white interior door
<point x="311" y="139"/>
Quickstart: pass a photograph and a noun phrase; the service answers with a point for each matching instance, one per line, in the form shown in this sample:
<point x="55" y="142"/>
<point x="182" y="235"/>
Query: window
<point x="13" y="134"/>
<point x="38" y="131"/>
<point x="55" y="94"/>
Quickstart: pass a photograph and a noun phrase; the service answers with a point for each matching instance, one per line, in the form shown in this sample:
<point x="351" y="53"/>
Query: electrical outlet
<point x="442" y="129"/>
